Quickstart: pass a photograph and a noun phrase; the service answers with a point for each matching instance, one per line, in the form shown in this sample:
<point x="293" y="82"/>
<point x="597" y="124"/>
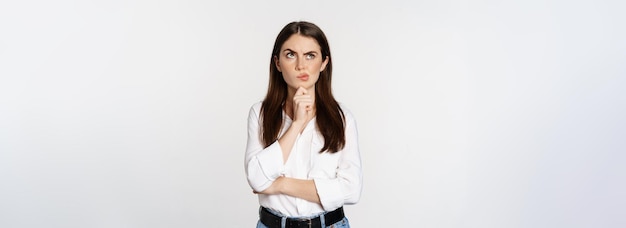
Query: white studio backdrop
<point x="470" y="113"/>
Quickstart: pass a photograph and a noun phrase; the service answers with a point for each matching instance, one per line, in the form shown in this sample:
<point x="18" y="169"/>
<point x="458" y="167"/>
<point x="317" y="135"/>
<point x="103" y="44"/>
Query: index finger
<point x="301" y="91"/>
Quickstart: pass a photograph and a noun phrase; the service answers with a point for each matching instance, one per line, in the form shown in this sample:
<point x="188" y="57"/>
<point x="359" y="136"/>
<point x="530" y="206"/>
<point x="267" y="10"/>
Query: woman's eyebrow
<point x="289" y="50"/>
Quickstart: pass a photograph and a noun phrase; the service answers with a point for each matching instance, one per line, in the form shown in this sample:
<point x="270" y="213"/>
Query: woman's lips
<point x="303" y="77"/>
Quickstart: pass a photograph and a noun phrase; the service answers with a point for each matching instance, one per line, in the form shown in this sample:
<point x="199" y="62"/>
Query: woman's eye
<point x="290" y="55"/>
<point x="310" y="56"/>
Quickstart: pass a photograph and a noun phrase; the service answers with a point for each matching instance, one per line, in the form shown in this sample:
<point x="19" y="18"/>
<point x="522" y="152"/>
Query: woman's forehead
<point x="300" y="43"/>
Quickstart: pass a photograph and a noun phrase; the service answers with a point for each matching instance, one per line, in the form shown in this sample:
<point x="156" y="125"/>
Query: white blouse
<point x="337" y="176"/>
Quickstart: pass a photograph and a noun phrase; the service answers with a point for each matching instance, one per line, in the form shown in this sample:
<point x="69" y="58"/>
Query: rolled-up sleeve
<point x="346" y="187"/>
<point x="262" y="164"/>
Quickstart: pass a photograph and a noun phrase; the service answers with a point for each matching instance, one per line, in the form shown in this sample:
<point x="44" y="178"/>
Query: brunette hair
<point x="330" y="118"/>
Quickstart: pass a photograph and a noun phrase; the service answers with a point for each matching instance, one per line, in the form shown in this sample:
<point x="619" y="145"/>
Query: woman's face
<point x="300" y="60"/>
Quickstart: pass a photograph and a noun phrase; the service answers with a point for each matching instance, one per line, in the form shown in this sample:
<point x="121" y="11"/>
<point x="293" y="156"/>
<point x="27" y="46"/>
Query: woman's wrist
<point x="281" y="184"/>
<point x="298" y="125"/>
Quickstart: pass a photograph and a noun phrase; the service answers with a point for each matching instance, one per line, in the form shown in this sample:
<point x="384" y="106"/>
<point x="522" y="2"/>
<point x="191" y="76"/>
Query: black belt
<point x="274" y="221"/>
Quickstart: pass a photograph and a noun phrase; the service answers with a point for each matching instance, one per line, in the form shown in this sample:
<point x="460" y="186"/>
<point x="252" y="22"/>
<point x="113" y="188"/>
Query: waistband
<point x="271" y="220"/>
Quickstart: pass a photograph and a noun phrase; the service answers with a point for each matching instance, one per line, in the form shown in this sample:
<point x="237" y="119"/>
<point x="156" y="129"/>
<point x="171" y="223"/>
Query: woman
<point x="302" y="156"/>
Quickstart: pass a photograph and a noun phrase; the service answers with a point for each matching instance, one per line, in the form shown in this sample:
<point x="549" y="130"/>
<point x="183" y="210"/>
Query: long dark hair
<point x="330" y="118"/>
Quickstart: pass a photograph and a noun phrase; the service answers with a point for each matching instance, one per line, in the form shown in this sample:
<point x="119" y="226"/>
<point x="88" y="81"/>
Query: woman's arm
<point x="346" y="187"/>
<point x="303" y="189"/>
<point x="265" y="164"/>
<point x="262" y="164"/>
<point x="302" y="113"/>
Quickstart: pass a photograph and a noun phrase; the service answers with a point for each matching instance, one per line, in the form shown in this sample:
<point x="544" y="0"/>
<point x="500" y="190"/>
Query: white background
<point x="470" y="113"/>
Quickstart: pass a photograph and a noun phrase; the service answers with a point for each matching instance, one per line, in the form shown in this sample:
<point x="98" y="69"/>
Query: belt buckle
<point x="309" y="221"/>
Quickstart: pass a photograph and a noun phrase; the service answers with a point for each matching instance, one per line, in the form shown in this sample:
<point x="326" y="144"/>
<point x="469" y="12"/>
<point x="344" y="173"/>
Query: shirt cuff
<point x="271" y="162"/>
<point x="330" y="193"/>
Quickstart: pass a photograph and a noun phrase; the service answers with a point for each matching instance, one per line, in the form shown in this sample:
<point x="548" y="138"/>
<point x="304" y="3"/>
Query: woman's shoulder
<point x="256" y="107"/>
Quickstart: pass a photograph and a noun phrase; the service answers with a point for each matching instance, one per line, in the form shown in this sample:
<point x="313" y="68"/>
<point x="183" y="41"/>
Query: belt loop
<point x="323" y="219"/>
<point x="283" y="221"/>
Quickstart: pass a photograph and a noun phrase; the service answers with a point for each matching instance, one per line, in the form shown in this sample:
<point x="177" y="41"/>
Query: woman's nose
<point x="300" y="64"/>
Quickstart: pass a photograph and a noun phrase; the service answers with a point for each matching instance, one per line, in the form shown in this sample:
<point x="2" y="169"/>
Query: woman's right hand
<point x="303" y="105"/>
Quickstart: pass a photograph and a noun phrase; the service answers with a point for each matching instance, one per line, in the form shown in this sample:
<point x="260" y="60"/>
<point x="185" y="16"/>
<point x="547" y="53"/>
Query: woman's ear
<point x="324" y="63"/>
<point x="276" y="63"/>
